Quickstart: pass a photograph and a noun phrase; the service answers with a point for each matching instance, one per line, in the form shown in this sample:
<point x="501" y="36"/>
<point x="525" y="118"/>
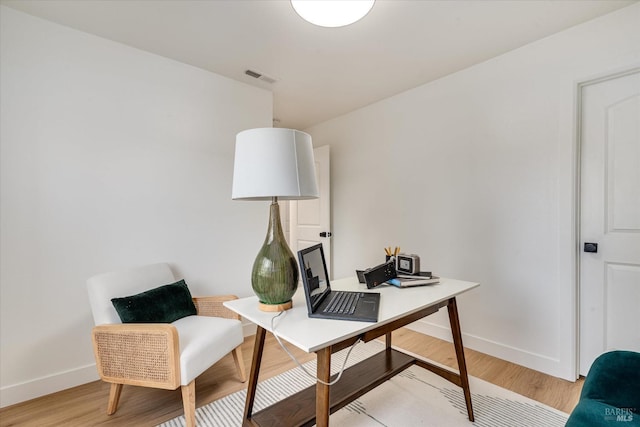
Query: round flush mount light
<point x="332" y="13"/>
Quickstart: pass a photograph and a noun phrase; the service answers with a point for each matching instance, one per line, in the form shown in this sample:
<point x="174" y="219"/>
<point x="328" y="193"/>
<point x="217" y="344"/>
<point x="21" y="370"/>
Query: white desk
<point x="398" y="308"/>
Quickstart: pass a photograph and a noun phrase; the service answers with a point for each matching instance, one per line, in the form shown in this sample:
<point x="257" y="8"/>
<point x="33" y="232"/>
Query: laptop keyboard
<point x="343" y="302"/>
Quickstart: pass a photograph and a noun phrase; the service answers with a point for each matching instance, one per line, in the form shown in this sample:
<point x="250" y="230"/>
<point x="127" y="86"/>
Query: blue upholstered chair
<point x="611" y="392"/>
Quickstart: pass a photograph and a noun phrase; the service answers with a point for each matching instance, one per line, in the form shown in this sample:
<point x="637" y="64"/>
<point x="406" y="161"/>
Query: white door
<point x="310" y="220"/>
<point x="610" y="217"/>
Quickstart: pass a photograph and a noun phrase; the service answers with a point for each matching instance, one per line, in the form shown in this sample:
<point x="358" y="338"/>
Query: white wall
<point x="475" y="173"/>
<point x="110" y="157"/>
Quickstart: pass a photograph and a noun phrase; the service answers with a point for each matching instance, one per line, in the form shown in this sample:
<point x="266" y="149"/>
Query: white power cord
<point x="273" y="331"/>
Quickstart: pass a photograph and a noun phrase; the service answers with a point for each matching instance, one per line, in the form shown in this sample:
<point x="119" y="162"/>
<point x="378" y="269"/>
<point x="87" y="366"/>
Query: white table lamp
<point x="272" y="164"/>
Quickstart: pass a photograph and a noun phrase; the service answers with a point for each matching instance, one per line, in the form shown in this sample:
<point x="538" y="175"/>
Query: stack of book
<point x="407" y="281"/>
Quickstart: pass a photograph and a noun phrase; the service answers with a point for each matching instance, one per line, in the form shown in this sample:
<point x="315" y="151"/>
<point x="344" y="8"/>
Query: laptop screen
<point x="314" y="273"/>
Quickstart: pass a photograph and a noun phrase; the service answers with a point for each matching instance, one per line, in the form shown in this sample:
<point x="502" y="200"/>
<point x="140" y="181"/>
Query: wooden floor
<point x="86" y="405"/>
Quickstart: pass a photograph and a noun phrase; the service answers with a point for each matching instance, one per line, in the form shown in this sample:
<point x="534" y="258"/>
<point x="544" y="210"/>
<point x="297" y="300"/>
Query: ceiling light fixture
<point x="332" y="13"/>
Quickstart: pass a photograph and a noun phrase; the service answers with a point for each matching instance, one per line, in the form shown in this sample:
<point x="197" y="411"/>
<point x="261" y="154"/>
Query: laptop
<point x="322" y="302"/>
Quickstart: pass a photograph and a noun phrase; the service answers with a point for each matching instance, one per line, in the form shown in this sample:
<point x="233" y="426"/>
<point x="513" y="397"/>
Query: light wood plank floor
<point x="85" y="405"/>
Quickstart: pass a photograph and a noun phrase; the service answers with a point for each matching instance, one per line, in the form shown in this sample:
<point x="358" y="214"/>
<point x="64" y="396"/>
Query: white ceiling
<point x="323" y="72"/>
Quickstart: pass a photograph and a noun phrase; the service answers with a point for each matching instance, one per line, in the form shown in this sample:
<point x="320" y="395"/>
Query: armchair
<point x="611" y="392"/>
<point x="159" y="355"/>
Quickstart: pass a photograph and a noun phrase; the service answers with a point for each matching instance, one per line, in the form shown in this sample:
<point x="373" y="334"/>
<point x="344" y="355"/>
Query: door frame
<point x="325" y="150"/>
<point x="579" y="87"/>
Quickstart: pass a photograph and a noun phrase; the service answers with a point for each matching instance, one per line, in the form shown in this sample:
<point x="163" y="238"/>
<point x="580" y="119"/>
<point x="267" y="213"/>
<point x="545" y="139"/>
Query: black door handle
<point x="325" y="234"/>
<point x="591" y="247"/>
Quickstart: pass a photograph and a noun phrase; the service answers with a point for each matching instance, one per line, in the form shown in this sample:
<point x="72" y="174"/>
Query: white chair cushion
<point x="203" y="341"/>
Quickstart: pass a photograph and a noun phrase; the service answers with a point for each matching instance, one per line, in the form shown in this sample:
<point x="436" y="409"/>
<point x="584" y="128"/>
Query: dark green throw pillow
<point x="165" y="304"/>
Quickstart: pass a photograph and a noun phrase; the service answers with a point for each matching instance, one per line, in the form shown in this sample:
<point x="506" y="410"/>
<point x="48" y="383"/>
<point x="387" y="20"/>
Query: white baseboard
<point x="16" y="393"/>
<point x="538" y="362"/>
<point x="10" y="395"/>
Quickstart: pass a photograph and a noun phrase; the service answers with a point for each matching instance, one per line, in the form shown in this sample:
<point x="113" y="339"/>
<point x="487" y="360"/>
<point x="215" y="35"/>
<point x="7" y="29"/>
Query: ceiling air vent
<point x="260" y="76"/>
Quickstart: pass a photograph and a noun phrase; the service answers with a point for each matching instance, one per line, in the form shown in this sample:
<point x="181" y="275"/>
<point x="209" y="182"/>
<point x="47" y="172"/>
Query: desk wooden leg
<point x="258" y="347"/>
<point x="454" y="320"/>
<point x="387" y="340"/>
<point x="322" y="390"/>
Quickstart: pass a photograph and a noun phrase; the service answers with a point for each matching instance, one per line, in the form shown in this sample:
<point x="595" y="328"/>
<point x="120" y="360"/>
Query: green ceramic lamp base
<point x="274" y="277"/>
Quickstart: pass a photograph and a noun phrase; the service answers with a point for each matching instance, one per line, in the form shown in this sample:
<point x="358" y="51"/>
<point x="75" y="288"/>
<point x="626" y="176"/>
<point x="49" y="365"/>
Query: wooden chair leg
<point x="189" y="403"/>
<point x="239" y="361"/>
<point x="114" y="398"/>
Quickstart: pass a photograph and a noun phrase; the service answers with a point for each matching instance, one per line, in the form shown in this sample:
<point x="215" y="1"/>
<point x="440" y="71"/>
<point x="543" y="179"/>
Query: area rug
<point x="415" y="397"/>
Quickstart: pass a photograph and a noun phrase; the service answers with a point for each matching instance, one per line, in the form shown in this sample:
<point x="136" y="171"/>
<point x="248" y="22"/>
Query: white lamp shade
<point x="274" y="162"/>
